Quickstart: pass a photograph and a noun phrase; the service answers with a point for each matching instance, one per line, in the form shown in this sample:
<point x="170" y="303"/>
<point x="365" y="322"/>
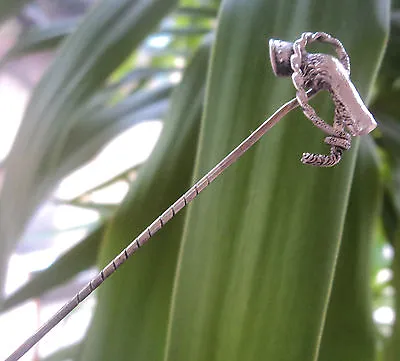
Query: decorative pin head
<point x="279" y="54"/>
<point x="323" y="72"/>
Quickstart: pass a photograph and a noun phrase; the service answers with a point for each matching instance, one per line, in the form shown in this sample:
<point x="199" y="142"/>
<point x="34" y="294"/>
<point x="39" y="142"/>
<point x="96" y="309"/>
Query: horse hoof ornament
<point x="323" y="72"/>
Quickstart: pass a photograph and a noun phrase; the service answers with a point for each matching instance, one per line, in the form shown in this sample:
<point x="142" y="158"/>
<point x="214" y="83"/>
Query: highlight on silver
<point x="323" y="72"/>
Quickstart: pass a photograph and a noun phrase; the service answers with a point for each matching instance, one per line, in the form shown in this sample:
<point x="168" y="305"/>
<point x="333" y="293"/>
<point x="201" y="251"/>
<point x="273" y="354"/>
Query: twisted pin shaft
<point x="138" y="242"/>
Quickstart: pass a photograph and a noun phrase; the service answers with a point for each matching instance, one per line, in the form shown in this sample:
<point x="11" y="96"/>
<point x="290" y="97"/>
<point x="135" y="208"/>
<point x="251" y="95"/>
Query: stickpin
<point x="310" y="73"/>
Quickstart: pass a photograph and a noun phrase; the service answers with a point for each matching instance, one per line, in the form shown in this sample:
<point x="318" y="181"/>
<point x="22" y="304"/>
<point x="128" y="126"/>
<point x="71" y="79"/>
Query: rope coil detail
<point x="338" y="138"/>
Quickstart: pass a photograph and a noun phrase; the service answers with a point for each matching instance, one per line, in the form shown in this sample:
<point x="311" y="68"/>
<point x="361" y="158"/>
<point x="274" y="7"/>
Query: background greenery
<point x="276" y="261"/>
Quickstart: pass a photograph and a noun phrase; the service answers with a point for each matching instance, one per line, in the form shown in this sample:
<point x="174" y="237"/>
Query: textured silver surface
<point x="324" y="72"/>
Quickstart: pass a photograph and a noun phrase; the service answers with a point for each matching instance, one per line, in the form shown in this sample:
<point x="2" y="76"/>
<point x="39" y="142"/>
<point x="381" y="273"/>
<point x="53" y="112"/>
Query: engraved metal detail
<point x="324" y="72"/>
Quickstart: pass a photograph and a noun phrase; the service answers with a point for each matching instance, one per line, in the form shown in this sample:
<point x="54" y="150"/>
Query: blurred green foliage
<point x="276" y="260"/>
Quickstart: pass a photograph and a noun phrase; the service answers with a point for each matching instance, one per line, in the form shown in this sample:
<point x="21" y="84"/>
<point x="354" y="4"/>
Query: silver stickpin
<point x="310" y="73"/>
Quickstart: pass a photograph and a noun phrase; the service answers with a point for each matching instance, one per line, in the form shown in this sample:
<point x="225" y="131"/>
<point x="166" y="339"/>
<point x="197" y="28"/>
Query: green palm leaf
<point x="139" y="298"/>
<point x="260" y="247"/>
<point x="349" y="333"/>
<point x="107" y="37"/>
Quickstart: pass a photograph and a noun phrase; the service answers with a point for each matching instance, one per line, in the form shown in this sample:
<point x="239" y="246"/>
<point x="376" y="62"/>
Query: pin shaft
<point x="138" y="242"/>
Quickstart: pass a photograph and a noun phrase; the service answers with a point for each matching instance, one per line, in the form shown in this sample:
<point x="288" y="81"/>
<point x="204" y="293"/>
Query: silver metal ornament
<point x="324" y="72"/>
